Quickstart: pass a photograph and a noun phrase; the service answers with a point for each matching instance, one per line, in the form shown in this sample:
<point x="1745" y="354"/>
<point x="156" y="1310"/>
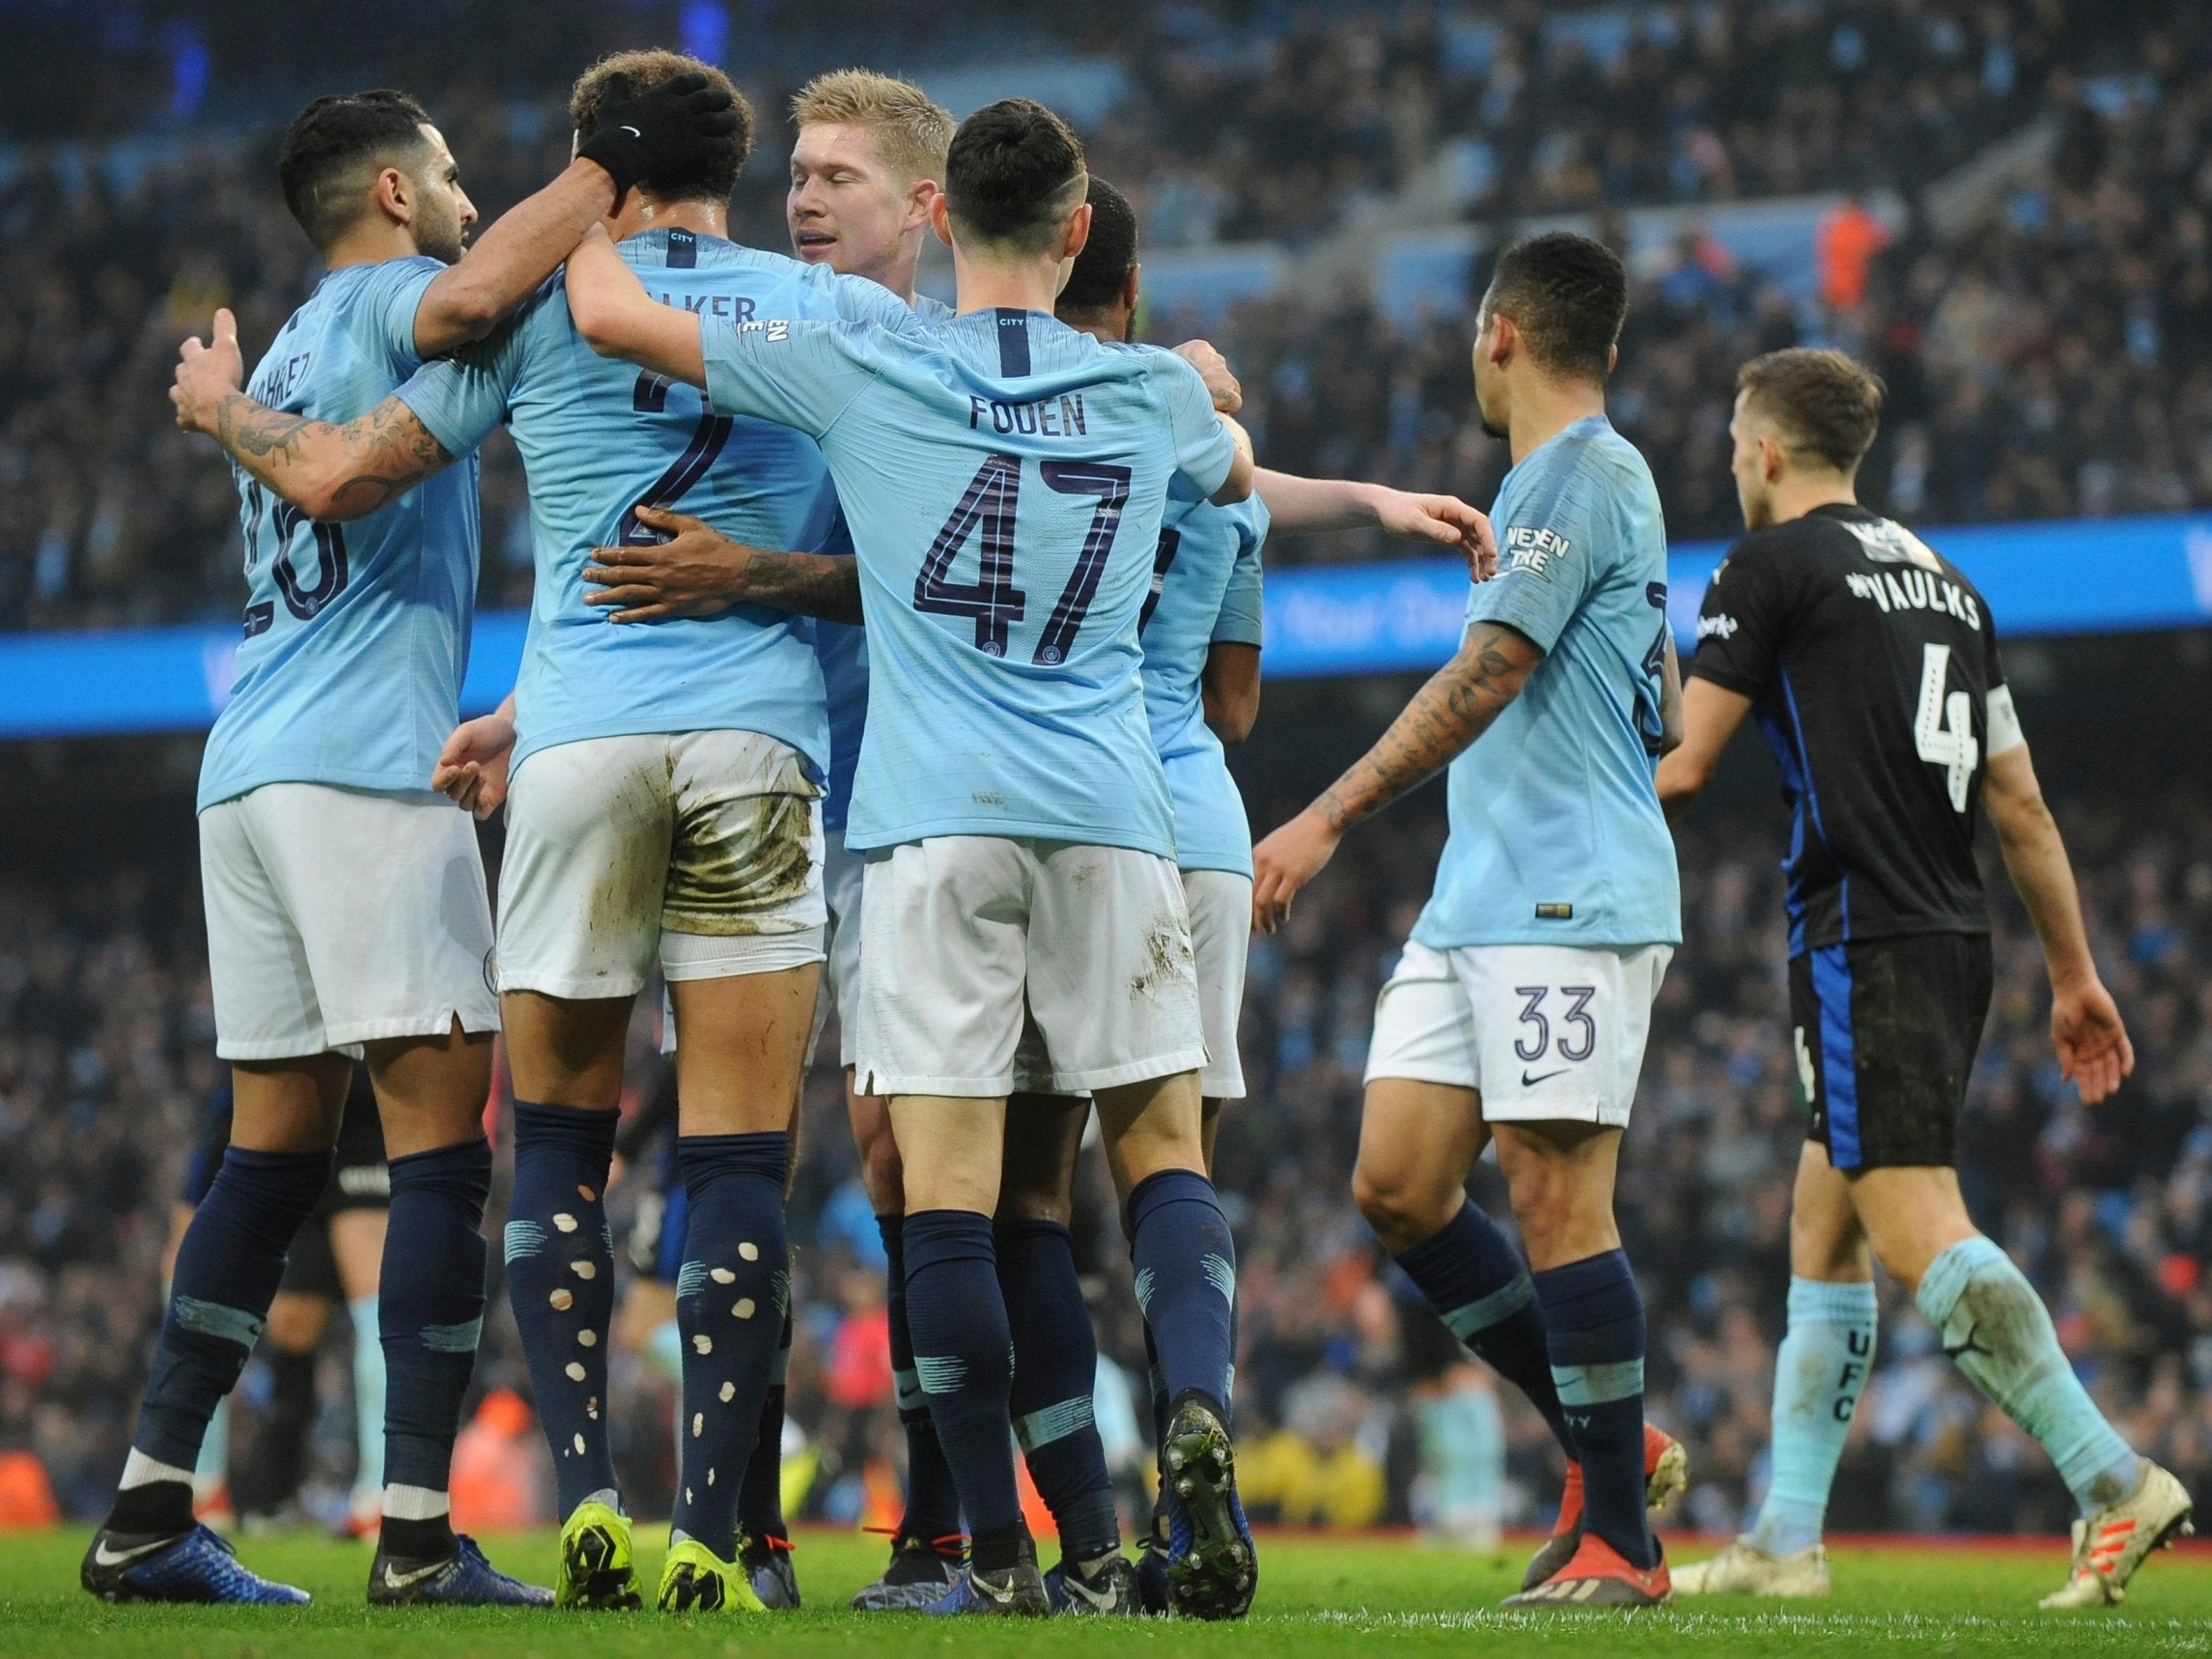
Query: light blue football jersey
<point x="1205" y="588"/>
<point x="1556" y="836"/>
<point x="1005" y="477"/>
<point x="356" y="635"/>
<point x="599" y="438"/>
<point x="842" y="648"/>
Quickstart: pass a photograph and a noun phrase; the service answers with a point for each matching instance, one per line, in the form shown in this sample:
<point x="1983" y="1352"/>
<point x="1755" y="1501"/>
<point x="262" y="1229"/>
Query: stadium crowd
<point x="2088" y="290"/>
<point x="1353" y="1404"/>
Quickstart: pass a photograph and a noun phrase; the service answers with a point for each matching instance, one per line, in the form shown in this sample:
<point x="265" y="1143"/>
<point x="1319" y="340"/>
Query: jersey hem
<point x="370" y="782"/>
<point x="1004" y="829"/>
<point x="1637" y="941"/>
<point x="1221" y="862"/>
<point x="1831" y="939"/>
<point x="524" y="749"/>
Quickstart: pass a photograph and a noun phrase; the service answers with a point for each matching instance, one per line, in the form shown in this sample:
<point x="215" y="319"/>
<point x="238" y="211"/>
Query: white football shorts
<point x="702" y="847"/>
<point x="1547" y="1033"/>
<point x="971" y="938"/>
<point x="1220" y="905"/>
<point x="341" y="917"/>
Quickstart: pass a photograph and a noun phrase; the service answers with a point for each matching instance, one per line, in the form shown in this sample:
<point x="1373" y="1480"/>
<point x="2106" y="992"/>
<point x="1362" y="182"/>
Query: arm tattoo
<point x="1446" y="716"/>
<point x="826" y="586"/>
<point x="369" y="462"/>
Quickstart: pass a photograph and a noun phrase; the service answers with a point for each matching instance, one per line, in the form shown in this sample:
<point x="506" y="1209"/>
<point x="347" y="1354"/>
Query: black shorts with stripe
<point x="1884" y="1032"/>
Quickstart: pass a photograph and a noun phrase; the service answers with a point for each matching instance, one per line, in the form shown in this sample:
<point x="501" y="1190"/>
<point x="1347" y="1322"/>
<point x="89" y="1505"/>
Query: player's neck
<point x="371" y="243"/>
<point x="1795" y="498"/>
<point x="899" y="271"/>
<point x="1032" y="285"/>
<point x="1543" y="407"/>
<point x="641" y="213"/>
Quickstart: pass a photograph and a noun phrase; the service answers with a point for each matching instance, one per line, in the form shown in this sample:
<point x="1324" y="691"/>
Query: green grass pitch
<point x="1318" y="1596"/>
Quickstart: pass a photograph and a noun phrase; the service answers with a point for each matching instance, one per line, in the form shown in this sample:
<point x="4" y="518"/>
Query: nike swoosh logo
<point x="1527" y="1082"/>
<point x="400" y="1580"/>
<point x="104" y="1556"/>
<point x="633" y="133"/>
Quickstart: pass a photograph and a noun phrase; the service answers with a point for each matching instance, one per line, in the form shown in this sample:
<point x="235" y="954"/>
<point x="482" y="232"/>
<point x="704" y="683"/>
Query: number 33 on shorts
<point x="1548" y="1033"/>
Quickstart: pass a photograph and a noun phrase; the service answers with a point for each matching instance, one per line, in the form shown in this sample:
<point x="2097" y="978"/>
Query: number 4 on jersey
<point x="1942" y="730"/>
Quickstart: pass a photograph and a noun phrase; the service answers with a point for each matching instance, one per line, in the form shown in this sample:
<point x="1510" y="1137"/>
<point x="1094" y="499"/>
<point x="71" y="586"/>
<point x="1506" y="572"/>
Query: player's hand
<point x="1213" y="369"/>
<point x="1444" y="520"/>
<point x="472" y="766"/>
<point x="697" y="571"/>
<point x="2094" y="1053"/>
<point x="663" y="130"/>
<point x="1285" y="861"/>
<point x="206" y="374"/>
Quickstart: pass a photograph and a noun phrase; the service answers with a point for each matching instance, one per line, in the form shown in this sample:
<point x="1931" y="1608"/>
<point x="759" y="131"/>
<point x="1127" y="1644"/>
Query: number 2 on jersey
<point x="1942" y="727"/>
<point x="991" y="504"/>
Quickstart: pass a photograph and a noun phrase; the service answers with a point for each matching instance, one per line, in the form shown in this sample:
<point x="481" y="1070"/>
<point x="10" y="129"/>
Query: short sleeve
<point x="1547" y="562"/>
<point x="462" y="398"/>
<point x="1239" y="620"/>
<point x="1742" y="620"/>
<point x="1204" y="450"/>
<point x="2002" y="718"/>
<point x="391" y="296"/>
<point x="799" y="374"/>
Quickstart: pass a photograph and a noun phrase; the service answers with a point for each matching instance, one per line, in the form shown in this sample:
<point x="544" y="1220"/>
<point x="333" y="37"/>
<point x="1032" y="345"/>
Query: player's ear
<point x="392" y="194"/>
<point x="940" y="217"/>
<point x="922" y="195"/>
<point x="1129" y="288"/>
<point x="1079" y="232"/>
<point x="1613" y="358"/>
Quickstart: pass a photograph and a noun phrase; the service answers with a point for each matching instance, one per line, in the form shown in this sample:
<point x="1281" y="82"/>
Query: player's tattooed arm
<point x="618" y="319"/>
<point x="326" y="470"/>
<point x="1447" y="716"/>
<point x="700" y="572"/>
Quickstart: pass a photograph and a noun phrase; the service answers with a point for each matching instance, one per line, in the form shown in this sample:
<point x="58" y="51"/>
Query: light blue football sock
<point x="1820" y="1371"/>
<point x="1995" y="1326"/>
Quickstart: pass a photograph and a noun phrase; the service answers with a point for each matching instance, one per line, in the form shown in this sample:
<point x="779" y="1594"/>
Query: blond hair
<point x="911" y="133"/>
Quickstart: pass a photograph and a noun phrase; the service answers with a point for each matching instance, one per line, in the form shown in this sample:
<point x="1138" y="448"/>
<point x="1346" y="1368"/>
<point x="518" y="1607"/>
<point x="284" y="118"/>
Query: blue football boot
<point x="1109" y="1589"/>
<point x="463" y="1579"/>
<point x="1213" y="1566"/>
<point x="198" y="1566"/>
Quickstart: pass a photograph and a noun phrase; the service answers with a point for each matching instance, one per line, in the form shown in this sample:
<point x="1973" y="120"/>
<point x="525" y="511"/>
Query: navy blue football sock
<point x="228" y="1269"/>
<point x="560" y="1280"/>
<point x="760" y="1499"/>
<point x="964" y="1360"/>
<point x="1480" y="1288"/>
<point x="932" y="1501"/>
<point x="430" y="1311"/>
<point x="1593" y="1314"/>
<point x="731" y="1293"/>
<point x="1185" y="1281"/>
<point x="1055" y="1369"/>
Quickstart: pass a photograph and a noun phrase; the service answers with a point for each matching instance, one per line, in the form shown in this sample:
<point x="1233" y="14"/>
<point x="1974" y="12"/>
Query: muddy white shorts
<point x="1220" y="905"/>
<point x="703" y="848"/>
<point x="1547" y="1033"/>
<point x="339" y="916"/>
<point x="968" y="936"/>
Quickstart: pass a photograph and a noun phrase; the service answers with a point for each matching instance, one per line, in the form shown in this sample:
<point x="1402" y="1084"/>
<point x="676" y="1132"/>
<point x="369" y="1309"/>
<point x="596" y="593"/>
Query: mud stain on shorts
<point x="1167" y="958"/>
<point x="738" y="865"/>
<point x="625" y="894"/>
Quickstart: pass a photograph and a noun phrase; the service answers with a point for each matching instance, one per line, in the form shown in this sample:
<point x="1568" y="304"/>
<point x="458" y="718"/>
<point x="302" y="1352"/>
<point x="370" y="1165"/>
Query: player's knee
<point x="1401" y="1208"/>
<point x="883" y="1172"/>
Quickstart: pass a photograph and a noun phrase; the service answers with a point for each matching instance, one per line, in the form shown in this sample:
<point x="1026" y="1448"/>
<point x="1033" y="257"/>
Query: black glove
<point x="661" y="131"/>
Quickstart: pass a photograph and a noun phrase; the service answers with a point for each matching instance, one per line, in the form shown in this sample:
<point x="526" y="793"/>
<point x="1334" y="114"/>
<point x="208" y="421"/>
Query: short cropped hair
<point x="1101" y="270"/>
<point x="911" y="133"/>
<point x="1828" y="405"/>
<point x="1568" y="295"/>
<point x="622" y="75"/>
<point x="334" y="147"/>
<point x="1013" y="174"/>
